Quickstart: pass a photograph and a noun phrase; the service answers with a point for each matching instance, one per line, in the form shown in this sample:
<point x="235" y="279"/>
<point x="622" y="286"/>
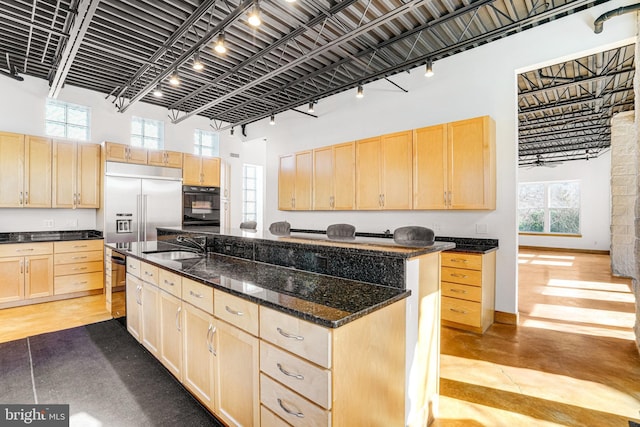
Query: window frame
<point x="198" y="146"/>
<point x="143" y="138"/>
<point x="66" y="124"/>
<point x="249" y="216"/>
<point x="547" y="208"/>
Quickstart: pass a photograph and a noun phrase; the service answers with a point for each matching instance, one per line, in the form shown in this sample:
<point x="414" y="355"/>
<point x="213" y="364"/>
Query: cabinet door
<point x="115" y="152"/>
<point x="286" y="181"/>
<point x="155" y="158"/>
<point x="344" y="167"/>
<point x="236" y="374"/>
<point x="12" y="283"/>
<point x="171" y="321"/>
<point x="11" y="170"/>
<point x="430" y="167"/>
<point x="472" y="164"/>
<point x="211" y="171"/>
<point x="38" y="271"/>
<point x="197" y="370"/>
<point x="64" y="174"/>
<point x="150" y="296"/>
<point x="302" y="186"/>
<point x="397" y="159"/>
<point x="368" y="176"/>
<point x="37" y="181"/>
<point x="191" y="170"/>
<point x="88" y="181"/>
<point x="133" y="290"/>
<point x="137" y="155"/>
<point x="323" y="185"/>
<point x="173" y="159"/>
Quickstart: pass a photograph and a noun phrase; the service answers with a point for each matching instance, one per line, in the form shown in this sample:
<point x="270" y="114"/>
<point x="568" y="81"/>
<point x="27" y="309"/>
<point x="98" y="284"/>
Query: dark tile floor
<point x="105" y="376"/>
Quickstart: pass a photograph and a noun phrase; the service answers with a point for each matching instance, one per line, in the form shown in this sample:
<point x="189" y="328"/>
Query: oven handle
<point x="118" y="260"/>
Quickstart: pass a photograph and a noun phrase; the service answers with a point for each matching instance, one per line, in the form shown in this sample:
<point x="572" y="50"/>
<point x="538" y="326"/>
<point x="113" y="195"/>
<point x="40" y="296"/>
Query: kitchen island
<point x="374" y="375"/>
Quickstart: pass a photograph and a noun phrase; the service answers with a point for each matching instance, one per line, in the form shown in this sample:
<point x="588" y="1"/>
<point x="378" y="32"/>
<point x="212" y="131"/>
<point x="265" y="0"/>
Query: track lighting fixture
<point x="157" y="92"/>
<point x="272" y="121"/>
<point x="254" y="15"/>
<point x="429" y="70"/>
<point x="220" y="46"/>
<point x="310" y="107"/>
<point x="197" y="64"/>
<point x="174" y="79"/>
<point x="360" y="92"/>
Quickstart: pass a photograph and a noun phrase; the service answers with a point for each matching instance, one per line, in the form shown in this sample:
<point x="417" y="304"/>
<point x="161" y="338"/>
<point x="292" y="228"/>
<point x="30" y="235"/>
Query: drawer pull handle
<point x="287" y="335"/>
<point x="131" y="267"/>
<point x="459" y="260"/>
<point x="288" y="411"/>
<point x="463" y="276"/>
<point x="195" y="294"/>
<point x="455" y="310"/>
<point x="80" y="246"/>
<point x="25" y="250"/>
<point x="459" y="291"/>
<point x="232" y="311"/>
<point x="289" y="374"/>
<point x="79" y="268"/>
<point x="78" y="257"/>
<point x="146" y="273"/>
<point x="84" y="282"/>
<point x="169" y="283"/>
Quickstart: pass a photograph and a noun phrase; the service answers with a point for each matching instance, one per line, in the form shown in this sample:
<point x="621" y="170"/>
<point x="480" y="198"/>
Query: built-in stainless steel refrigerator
<point x="137" y="199"/>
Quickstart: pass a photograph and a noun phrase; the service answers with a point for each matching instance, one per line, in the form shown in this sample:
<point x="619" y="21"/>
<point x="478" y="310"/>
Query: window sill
<point x="549" y="234"/>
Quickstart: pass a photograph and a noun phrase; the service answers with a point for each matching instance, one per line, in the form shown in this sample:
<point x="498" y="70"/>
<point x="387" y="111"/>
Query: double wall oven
<point x="200" y="206"/>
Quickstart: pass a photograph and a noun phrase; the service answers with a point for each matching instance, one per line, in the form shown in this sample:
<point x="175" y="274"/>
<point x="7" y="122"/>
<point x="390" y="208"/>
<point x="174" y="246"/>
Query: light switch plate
<point x="482" y="228"/>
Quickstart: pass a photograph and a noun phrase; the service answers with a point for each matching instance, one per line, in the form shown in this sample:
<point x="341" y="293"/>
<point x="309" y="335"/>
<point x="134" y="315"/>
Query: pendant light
<point x="429" y="69"/>
<point x="272" y="120"/>
<point x="231" y="132"/>
<point x="254" y="15"/>
<point x="174" y="78"/>
<point x="220" y="46"/>
<point x="197" y="64"/>
<point x="360" y="92"/>
<point x="310" y="110"/>
<point x="157" y="92"/>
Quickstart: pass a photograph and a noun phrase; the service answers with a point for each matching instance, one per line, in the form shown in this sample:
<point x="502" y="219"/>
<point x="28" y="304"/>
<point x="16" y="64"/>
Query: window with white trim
<point x="551" y="207"/>
<point x="147" y="133"/>
<point x="206" y="143"/>
<point x="65" y="120"/>
<point x="252" y="193"/>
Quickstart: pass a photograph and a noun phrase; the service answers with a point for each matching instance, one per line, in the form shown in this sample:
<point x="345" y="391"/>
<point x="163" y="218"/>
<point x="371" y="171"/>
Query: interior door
<point x="162" y="205"/>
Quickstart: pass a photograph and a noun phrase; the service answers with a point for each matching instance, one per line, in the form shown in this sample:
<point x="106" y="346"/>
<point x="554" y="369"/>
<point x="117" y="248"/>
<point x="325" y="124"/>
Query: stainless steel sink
<point x="173" y="255"/>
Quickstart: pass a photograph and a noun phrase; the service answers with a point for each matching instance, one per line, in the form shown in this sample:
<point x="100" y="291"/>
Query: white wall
<point x="595" y="202"/>
<point x="474" y="83"/>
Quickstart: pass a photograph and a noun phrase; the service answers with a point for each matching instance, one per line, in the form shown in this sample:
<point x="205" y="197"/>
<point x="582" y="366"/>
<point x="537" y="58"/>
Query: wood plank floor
<point x="571" y="361"/>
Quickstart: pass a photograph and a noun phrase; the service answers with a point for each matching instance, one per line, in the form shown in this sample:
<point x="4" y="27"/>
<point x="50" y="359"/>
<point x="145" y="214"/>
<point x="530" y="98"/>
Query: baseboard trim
<point x="506" y="318"/>
<point x="584" y="251"/>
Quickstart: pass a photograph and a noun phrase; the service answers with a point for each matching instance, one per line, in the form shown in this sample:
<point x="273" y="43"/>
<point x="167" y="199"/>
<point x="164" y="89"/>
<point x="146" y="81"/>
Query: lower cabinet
<point x="79" y="266"/>
<point x="23" y="276"/>
<point x="134" y="303"/>
<point x="171" y="326"/>
<point x="199" y="351"/>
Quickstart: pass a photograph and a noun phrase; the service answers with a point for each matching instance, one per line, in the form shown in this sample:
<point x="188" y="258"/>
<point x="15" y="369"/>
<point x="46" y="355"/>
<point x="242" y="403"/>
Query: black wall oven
<point x="200" y="206"/>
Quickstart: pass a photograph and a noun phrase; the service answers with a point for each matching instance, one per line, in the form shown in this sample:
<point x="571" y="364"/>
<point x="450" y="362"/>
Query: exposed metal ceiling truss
<point x="565" y="109"/>
<point x="303" y="51"/>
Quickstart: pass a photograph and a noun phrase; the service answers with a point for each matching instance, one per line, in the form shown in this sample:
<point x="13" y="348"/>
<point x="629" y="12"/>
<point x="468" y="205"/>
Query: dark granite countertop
<point x="49" y="236"/>
<point x="471" y="245"/>
<point x="325" y="300"/>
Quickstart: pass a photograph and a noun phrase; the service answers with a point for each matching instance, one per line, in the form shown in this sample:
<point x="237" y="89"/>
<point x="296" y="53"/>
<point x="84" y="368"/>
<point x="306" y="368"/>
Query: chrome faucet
<point x="201" y="245"/>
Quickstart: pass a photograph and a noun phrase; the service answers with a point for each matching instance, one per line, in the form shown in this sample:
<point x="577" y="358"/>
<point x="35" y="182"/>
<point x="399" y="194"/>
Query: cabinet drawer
<point x="298" y="336"/>
<point x="309" y="380"/>
<point x="81" y="267"/>
<point x="198" y="295"/>
<point x="461" y="311"/>
<point x="75" y="257"/>
<point x="149" y="273"/>
<point x="133" y="266"/>
<point x="77" y="283"/>
<point x="461" y="260"/>
<point x="461" y="275"/>
<point x="456" y="290"/>
<point x="269" y="419"/>
<point x="237" y="311"/>
<point x="22" y="249"/>
<point x="170" y="282"/>
<point x="78" y="246"/>
<point x="290" y="406"/>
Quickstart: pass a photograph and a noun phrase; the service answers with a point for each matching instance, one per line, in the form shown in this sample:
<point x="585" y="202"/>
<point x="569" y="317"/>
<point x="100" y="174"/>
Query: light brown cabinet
<point x="169" y="159"/>
<point x="78" y="266"/>
<point x="468" y="290"/>
<point x="115" y="152"/>
<point x="454" y="165"/>
<point x="199" y="352"/>
<point x="383" y="172"/>
<point x="25" y="171"/>
<point x="25" y="276"/>
<point x="76" y="175"/>
<point x="171" y="325"/>
<point x="203" y="171"/>
<point x="334" y="177"/>
<point x="295" y="174"/>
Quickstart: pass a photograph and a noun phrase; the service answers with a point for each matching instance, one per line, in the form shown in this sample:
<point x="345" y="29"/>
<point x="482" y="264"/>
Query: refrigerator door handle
<point x="139" y="214"/>
<point x="145" y="217"/>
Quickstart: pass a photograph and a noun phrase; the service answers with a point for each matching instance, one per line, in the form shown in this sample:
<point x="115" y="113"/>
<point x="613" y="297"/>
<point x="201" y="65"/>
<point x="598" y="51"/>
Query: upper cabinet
<point x="204" y="171"/>
<point x="334" y="177"/>
<point x="295" y="175"/>
<point x="454" y="165"/>
<point x="76" y="175"/>
<point x="125" y="153"/>
<point x="383" y="172"/>
<point x="170" y="159"/>
<point x="25" y="171"/>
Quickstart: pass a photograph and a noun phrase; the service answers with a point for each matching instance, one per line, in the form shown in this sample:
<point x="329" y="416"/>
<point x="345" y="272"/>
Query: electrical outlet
<point x="48" y="223"/>
<point x="72" y="223"/>
<point x="482" y="229"/>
